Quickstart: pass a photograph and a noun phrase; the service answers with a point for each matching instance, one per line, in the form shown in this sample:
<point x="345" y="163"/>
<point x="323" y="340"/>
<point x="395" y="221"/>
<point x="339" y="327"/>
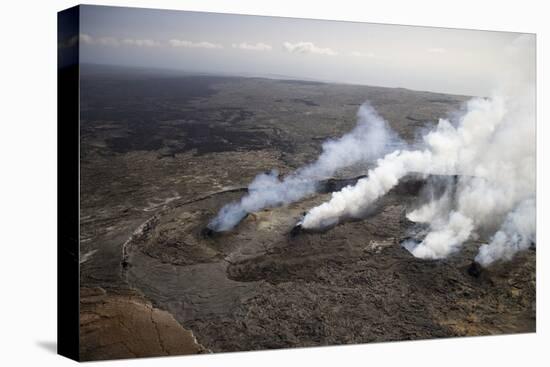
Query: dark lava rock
<point x="296" y="230"/>
<point x="334" y="184"/>
<point x="207" y="232"/>
<point x="475" y="269"/>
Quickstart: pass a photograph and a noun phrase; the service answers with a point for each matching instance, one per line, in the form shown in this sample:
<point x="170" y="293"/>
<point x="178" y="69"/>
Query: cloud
<point x="103" y="41"/>
<point x="136" y="42"/>
<point x="115" y="42"/>
<point x="190" y="44"/>
<point x="252" y="47"/>
<point x="108" y="41"/>
<point x="85" y="38"/>
<point x="307" y="48"/>
<point x="140" y="42"/>
<point x="437" y="50"/>
<point x="68" y="42"/>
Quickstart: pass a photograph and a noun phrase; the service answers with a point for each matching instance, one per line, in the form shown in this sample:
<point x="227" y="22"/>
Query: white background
<point x="28" y="183"/>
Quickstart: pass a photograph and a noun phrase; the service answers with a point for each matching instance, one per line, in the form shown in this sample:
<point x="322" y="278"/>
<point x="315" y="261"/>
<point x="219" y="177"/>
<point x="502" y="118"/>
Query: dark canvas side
<point x="68" y="183"/>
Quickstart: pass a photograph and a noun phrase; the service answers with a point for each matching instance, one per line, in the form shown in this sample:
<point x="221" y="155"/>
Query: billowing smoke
<point x="370" y="139"/>
<point x="517" y="233"/>
<point x="353" y="201"/>
<point x="491" y="148"/>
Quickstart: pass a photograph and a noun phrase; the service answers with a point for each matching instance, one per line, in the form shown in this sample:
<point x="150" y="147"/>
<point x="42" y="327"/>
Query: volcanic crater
<point x="149" y="190"/>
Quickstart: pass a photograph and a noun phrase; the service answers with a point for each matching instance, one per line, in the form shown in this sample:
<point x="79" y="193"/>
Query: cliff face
<point x="116" y="325"/>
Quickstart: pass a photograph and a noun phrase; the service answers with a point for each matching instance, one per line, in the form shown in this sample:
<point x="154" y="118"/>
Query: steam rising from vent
<point x="517" y="233"/>
<point x="491" y="148"/>
<point x="370" y="139"/>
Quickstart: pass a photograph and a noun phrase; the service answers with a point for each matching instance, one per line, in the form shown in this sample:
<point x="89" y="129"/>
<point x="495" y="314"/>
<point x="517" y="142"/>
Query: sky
<point x="466" y="62"/>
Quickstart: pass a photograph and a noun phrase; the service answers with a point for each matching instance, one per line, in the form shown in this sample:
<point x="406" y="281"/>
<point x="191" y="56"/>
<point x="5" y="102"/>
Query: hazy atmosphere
<point x="421" y="58"/>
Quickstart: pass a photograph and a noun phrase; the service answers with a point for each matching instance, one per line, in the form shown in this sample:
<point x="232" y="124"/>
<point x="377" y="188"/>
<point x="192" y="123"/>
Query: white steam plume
<point x="370" y="139"/>
<point x="352" y="201"/>
<point x="517" y="233"/>
<point x="492" y="149"/>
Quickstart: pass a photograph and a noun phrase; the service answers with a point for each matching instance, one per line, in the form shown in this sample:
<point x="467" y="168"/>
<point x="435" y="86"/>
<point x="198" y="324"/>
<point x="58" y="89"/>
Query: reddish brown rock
<point x="126" y="325"/>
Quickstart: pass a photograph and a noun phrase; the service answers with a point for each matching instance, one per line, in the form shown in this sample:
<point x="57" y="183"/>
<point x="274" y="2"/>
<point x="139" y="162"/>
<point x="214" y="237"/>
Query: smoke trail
<point x="517" y="233"/>
<point x="502" y="177"/>
<point x="352" y="201"/>
<point x="492" y="150"/>
<point x="370" y="139"/>
<point x="443" y="153"/>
